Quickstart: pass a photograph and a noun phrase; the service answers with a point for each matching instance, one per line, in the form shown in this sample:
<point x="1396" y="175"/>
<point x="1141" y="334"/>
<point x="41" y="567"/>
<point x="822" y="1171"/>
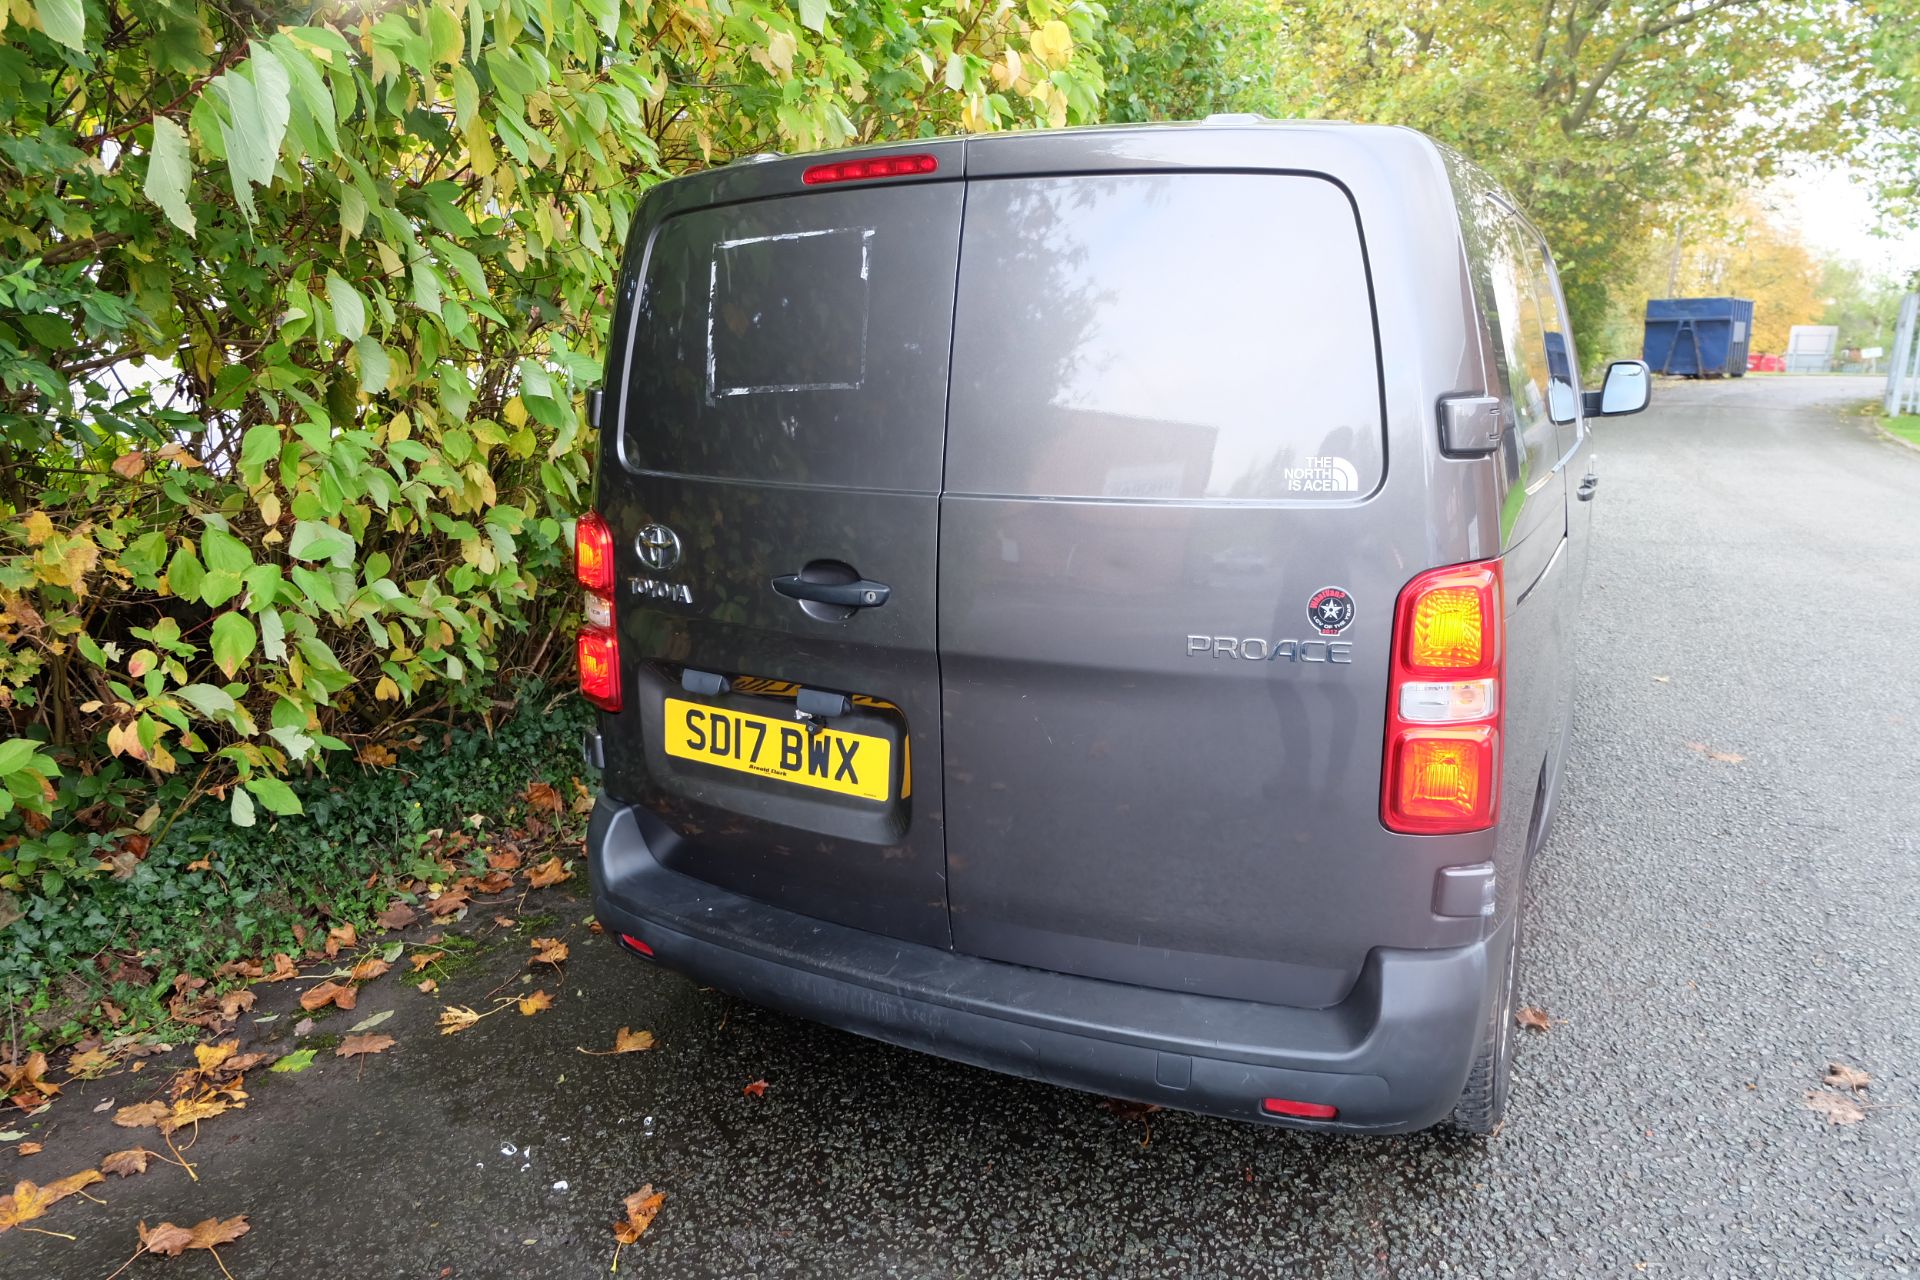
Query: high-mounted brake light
<point x="865" y="170"/>
<point x="1442" y="768"/>
<point x="598" y="649"/>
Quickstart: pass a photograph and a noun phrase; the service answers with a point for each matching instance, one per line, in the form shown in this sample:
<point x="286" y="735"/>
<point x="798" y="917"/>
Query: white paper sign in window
<point x="788" y="313"/>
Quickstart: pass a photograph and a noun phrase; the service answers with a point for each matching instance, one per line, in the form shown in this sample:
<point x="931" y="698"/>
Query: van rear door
<point x="1165" y="603"/>
<point x="780" y="427"/>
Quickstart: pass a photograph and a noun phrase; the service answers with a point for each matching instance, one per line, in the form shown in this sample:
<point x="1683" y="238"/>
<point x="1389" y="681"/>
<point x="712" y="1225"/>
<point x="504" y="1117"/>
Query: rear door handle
<point x="850" y="595"/>
<point x="1587" y="486"/>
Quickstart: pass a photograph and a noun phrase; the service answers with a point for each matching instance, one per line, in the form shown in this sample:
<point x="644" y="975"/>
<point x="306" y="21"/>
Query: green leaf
<point x="223" y="552"/>
<point x="257" y="110"/>
<point x="313" y="540"/>
<point x="185" y="574"/>
<point x="208" y="700"/>
<point x="15" y="752"/>
<point x="298" y="1060"/>
<point x="813" y="14"/>
<point x="349" y="312"/>
<point x="257" y="449"/>
<point x="169" y="171"/>
<point x="63" y="20"/>
<point x="276" y="795"/>
<point x="273" y="636"/>
<point x="375" y="368"/>
<point x="241" y="809"/>
<point x="233" y="640"/>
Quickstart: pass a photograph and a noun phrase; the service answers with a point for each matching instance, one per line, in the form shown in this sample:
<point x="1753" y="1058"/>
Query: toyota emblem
<point x="658" y="547"/>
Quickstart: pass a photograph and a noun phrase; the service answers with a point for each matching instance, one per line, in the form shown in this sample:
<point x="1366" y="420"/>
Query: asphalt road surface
<point x="1709" y="927"/>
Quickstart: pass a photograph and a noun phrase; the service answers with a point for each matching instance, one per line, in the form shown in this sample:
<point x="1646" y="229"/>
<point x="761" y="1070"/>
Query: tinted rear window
<point x="802" y="339"/>
<point x="1164" y="336"/>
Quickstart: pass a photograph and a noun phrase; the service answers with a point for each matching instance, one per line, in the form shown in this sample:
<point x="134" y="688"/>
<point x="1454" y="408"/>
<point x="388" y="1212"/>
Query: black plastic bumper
<point x="1392" y="1056"/>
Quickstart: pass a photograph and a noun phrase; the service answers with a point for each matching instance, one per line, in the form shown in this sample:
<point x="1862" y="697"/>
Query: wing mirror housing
<point x="1627" y="388"/>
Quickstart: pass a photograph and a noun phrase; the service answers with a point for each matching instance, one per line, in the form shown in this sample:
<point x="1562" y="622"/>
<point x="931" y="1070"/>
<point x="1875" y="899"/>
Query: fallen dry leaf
<point x="421" y="959"/>
<point x="505" y="922"/>
<point x="328" y="993"/>
<point x="341" y="937"/>
<point x="170" y="1241"/>
<point x="1724" y="757"/>
<point x="641" y="1207"/>
<point x="535" y="1003"/>
<point x="1842" y="1076"/>
<point x="30" y="1200"/>
<point x="449" y="902"/>
<point x="24" y="1084"/>
<point x="429" y="986"/>
<point x="282" y="968"/>
<point x="548" y="951"/>
<point x="398" y="915"/>
<point x="89" y="1063"/>
<point x="542" y="798"/>
<point x="365" y="1042"/>
<point x="124" y="1164"/>
<point x="755" y="1089"/>
<point x="1127" y="1109"/>
<point x="1533" y="1019"/>
<point x="190" y="1111"/>
<point x="550" y="872"/>
<point x="130" y="466"/>
<point x="142" y="1114"/>
<point x="210" y="1056"/>
<point x="28" y="1149"/>
<point x="235" y="1003"/>
<point x="504" y="860"/>
<point x="1835" y="1108"/>
<point x="494" y="882"/>
<point x="457" y="1017"/>
<point x="627" y="1041"/>
<point x="369" y="969"/>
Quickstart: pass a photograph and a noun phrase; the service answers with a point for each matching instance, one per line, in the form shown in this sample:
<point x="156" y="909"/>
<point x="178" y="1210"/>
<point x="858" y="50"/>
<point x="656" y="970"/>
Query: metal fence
<point x="1903" y="365"/>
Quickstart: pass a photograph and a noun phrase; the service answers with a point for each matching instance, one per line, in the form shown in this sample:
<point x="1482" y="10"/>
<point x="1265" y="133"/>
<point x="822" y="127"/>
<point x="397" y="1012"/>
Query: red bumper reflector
<point x="869" y="169"/>
<point x="634" y="944"/>
<point x="1299" y="1110"/>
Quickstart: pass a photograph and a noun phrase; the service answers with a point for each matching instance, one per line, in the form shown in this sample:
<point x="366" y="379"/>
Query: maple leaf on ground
<point x="142" y="1114"/>
<point x="365" y="1042"/>
<point x="429" y="986"/>
<point x="548" y="951"/>
<point x="29" y="1200"/>
<point x="1842" y="1076"/>
<point x="550" y="872"/>
<point x="170" y="1241"/>
<point x="124" y="1164"/>
<point x="189" y="1111"/>
<point x="542" y="798"/>
<point x="421" y="959"/>
<point x="1533" y="1019"/>
<point x="369" y="969"/>
<point x="1835" y="1108"/>
<point x="505" y="922"/>
<point x="754" y="1089"/>
<point x="247" y="1061"/>
<point x="89" y="1063"/>
<point x="457" y="1017"/>
<point x="334" y="993"/>
<point x="252" y="970"/>
<point x="627" y="1041"/>
<point x="504" y="860"/>
<point x="210" y="1056"/>
<point x="535" y="1003"/>
<point x="282" y="968"/>
<point x="641" y="1208"/>
<point x="28" y="1149"/>
<point x="235" y="1003"/>
<point x="398" y="915"/>
<point x="494" y="882"/>
<point x="25" y="1084"/>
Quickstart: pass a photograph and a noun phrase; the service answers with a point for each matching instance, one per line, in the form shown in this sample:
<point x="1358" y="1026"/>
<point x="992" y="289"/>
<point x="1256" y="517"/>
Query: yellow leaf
<point x="386" y="690"/>
<point x="29" y="1200"/>
<point x="535" y="1003"/>
<point x="1053" y="43"/>
<point x="39" y="528"/>
<point x="269" y="508"/>
<point x="400" y="426"/>
<point x="211" y="1056"/>
<point x="456" y="1017"/>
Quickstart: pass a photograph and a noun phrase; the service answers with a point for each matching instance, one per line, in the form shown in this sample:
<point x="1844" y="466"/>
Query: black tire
<point x="1482" y="1107"/>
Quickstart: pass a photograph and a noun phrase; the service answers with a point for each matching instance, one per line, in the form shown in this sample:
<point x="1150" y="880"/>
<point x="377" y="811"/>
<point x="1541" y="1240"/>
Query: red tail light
<point x="593" y="553"/>
<point x="598" y="650"/>
<point x="1300" y="1110"/>
<point x="1442" y="769"/>
<point x="868" y="169"/>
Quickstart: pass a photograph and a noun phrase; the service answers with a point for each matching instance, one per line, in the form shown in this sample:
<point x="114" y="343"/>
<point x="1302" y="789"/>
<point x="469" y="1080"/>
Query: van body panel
<point x="781" y="405"/>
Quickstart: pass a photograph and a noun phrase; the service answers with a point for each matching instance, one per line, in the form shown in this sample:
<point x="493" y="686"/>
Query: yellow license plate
<point x="853" y="764"/>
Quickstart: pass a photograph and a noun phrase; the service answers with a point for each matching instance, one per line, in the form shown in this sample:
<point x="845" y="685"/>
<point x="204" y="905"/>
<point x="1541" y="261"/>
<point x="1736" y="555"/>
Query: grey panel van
<point x="1096" y="605"/>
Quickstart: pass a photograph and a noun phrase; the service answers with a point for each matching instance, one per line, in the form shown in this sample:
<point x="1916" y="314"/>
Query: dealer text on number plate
<point x="853" y="764"/>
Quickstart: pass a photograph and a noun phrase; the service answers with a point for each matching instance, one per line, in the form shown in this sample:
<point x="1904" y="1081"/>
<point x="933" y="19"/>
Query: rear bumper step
<point x="1392" y="1056"/>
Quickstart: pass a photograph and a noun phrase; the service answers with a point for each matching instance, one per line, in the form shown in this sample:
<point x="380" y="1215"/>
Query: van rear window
<point x="802" y="340"/>
<point x="1162" y="337"/>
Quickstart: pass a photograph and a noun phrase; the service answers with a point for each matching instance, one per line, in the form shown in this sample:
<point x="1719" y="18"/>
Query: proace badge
<point x="1330" y="610"/>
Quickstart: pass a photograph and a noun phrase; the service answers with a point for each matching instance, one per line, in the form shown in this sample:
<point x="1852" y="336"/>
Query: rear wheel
<point x="1483" y="1103"/>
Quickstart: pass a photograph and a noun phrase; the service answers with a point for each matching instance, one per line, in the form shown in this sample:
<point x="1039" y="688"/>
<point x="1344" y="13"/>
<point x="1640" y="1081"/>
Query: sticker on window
<point x="788" y="313"/>
<point x="1323" y="475"/>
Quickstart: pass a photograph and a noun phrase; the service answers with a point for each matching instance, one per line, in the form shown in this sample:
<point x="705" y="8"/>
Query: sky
<point x="1831" y="209"/>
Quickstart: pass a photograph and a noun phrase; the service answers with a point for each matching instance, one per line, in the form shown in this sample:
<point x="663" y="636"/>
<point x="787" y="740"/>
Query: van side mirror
<point x="1627" y="388"/>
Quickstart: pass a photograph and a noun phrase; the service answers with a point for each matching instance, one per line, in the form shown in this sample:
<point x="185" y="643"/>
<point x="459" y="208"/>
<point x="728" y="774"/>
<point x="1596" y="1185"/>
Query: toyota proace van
<point x="1097" y="605"/>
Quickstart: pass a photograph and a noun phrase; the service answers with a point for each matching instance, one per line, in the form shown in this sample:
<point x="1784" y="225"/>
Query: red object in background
<point x="1759" y="362"/>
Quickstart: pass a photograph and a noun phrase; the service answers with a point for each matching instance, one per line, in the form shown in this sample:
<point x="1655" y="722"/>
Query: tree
<point x="295" y="305"/>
